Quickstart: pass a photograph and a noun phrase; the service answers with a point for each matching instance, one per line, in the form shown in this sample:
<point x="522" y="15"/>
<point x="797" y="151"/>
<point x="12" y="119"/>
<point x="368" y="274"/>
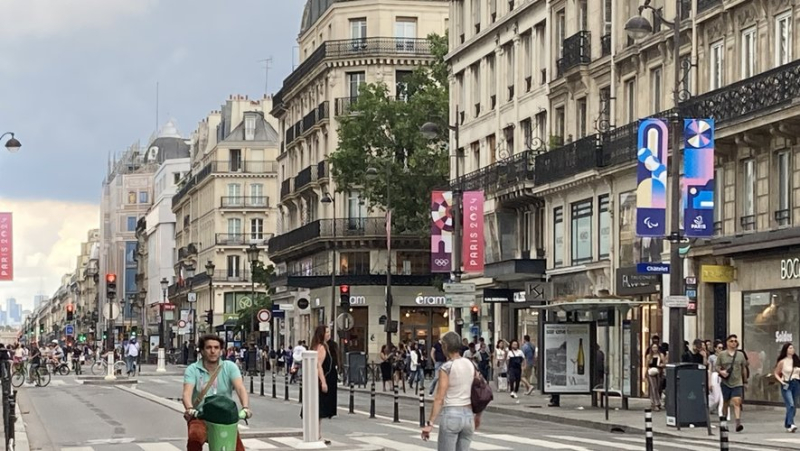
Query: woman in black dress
<point x="386" y="366"/>
<point x="327" y="375"/>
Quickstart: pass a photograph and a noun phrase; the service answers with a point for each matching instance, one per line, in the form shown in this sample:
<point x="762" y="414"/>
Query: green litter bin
<point x="222" y="422"/>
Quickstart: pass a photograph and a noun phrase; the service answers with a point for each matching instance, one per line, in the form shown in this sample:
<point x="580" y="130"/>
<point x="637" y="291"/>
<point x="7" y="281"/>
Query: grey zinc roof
<point x="313" y="11"/>
<point x="264" y="131"/>
<point x="168" y="149"/>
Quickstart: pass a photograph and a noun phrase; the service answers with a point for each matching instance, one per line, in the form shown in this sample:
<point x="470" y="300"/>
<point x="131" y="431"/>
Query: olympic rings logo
<point x="442" y="262"/>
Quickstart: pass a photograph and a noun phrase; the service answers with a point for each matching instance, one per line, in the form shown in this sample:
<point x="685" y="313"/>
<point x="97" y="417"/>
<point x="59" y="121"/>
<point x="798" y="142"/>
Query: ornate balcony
<point x="239" y="239"/>
<point x="343" y="105"/>
<point x="286" y="187"/>
<point x="321" y="170"/>
<point x="244" y="202"/>
<point x="303" y="178"/>
<point x="577" y="50"/>
<point x="572" y="158"/>
<point x="501" y="175"/>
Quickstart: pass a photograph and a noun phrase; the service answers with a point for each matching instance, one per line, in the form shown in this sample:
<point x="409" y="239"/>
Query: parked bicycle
<point x="100" y="367"/>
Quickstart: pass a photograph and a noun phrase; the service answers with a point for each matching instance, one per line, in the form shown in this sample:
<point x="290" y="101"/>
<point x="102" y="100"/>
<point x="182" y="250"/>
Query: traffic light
<point x="82" y="338"/>
<point x="134" y="331"/>
<point x="473" y="312"/>
<point x="105" y="335"/>
<point x="111" y="286"/>
<point x="41" y="329"/>
<point x="210" y="317"/>
<point x="70" y="312"/>
<point x="344" y="296"/>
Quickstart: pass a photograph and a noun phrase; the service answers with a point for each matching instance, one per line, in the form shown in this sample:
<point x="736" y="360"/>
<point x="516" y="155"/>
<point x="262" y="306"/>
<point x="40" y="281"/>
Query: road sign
<point x="459" y="288"/>
<point x="245" y="302"/>
<point x="181" y="324"/>
<point x="264" y="315"/>
<point x="676" y="301"/>
<point x="263" y="327"/>
<point x="166" y="306"/>
<point x="459" y="300"/>
<point x="69" y="329"/>
<point x="302" y="304"/>
<point x="191" y="297"/>
<point x="652" y="268"/>
<point x="345" y="321"/>
<point x="538" y="291"/>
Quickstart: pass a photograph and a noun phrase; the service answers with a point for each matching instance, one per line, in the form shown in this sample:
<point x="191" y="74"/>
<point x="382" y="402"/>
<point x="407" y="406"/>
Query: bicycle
<point x="58" y="368"/>
<point x="100" y="367"/>
<point x="41" y="377"/>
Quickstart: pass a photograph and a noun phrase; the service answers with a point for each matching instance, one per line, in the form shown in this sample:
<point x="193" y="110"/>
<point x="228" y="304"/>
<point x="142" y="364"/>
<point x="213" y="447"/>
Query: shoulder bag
<point x="210" y="382"/>
<point x="480" y="393"/>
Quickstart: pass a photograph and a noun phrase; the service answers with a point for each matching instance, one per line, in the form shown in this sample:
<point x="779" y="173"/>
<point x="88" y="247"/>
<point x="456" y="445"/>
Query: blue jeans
<point x="790" y="393"/>
<point x="456" y="426"/>
<point x="129" y="361"/>
<point x="436" y="367"/>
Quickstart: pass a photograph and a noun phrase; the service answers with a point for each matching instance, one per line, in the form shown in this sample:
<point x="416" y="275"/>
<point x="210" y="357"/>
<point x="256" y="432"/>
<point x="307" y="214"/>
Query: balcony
<point x="231" y="275"/>
<point x="342" y="105"/>
<point x="239" y="239"/>
<point x="303" y="178"/>
<point x="577" y="50"/>
<point x="286" y="187"/>
<point x="605" y="45"/>
<point x="321" y="170"/>
<point x="501" y="175"/>
<point x="352" y="48"/>
<point x="225" y="167"/>
<point x="244" y="202"/>
<point x="570" y="159"/>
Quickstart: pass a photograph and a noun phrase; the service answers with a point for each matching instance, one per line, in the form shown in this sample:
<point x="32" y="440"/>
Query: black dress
<point x="327" y="401"/>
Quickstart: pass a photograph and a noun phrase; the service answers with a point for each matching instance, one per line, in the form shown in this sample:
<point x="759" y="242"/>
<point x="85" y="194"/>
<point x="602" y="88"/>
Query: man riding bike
<point x="210" y="375"/>
<point x="56" y="353"/>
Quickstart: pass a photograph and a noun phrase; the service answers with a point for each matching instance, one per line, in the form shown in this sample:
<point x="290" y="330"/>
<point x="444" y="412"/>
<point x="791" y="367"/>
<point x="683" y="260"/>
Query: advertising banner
<point x="6" y="248"/>
<point x="473" y="243"/>
<point x="567" y="358"/>
<point x="698" y="181"/>
<point x="441" y="231"/>
<point x="651" y="179"/>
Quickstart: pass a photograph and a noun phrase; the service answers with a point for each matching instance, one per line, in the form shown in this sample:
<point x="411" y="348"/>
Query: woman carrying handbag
<point x="655" y="366"/>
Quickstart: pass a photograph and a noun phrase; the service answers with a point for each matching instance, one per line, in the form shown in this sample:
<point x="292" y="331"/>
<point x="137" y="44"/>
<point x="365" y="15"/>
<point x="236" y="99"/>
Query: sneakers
<point x="739" y="427"/>
<point x="791" y="428"/>
<point x="513" y="395"/>
<point x="530" y="390"/>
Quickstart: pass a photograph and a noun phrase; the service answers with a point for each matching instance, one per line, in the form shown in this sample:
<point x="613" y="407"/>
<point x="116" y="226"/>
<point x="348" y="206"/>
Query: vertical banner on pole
<point x="6" y="248"/>
<point x="441" y="231"/>
<point x="651" y="179"/>
<point x="472" y="247"/>
<point x="698" y="181"/>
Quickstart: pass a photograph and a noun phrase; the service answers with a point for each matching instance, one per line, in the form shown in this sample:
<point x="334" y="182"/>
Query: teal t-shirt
<point x="198" y="376"/>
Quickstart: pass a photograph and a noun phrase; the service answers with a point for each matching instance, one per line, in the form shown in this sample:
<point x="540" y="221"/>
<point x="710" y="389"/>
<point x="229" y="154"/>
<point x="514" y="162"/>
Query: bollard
<point x="12" y="419"/>
<point x="648" y="430"/>
<point x="110" y="375"/>
<point x="396" y="405"/>
<point x="352" y="399"/>
<point x="262" y="384"/>
<point x="311" y="404"/>
<point x="300" y="395"/>
<point x="422" y="408"/>
<point x="274" y="388"/>
<point x="251" y="382"/>
<point x="286" y="388"/>
<point x="723" y="433"/>
<point x="372" y="400"/>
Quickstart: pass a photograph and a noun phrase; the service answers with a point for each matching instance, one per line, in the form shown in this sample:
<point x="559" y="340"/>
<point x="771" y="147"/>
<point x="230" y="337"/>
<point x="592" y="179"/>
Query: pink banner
<point x="441" y="231"/>
<point x="473" y="243"/>
<point x="6" y="248"/>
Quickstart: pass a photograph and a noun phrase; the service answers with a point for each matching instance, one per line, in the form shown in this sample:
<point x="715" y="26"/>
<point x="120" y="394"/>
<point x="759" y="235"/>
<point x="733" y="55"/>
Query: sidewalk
<point x="760" y="422"/>
<point x="148" y="369"/>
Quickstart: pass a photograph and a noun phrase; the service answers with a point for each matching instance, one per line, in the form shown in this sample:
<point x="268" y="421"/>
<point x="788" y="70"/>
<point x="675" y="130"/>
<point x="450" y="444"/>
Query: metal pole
<point x="274" y="386"/>
<point x="372" y="399"/>
<point x="675" y="263"/>
<point x="253" y="299"/>
<point x="389" y="300"/>
<point x="352" y="405"/>
<point x="262" y="384"/>
<point x="286" y="387"/>
<point x="723" y="433"/>
<point x="648" y="430"/>
<point x="396" y="405"/>
<point x="311" y="403"/>
<point x="334" y="329"/>
<point x="457" y="226"/>
<point x="422" y="408"/>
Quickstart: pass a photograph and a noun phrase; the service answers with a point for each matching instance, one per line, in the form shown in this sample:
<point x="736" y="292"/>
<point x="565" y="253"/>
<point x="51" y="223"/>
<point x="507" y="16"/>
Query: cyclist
<point x="36" y="361"/>
<point x="210" y="375"/>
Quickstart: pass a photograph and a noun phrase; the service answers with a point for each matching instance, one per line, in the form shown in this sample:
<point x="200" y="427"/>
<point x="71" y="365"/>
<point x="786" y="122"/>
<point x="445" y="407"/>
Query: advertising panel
<point x="651" y="179"/>
<point x="567" y="358"/>
<point x="441" y="231"/>
<point x="698" y="181"/>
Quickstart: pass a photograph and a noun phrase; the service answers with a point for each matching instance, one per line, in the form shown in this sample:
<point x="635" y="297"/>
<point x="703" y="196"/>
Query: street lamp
<point x="639" y="27"/>
<point x="190" y="270"/>
<point x="161" y="353"/>
<point x="431" y="131"/>
<point x="372" y="174"/>
<point x="330" y="199"/>
<point x="12" y="144"/>
<point x="252" y="256"/>
<point x="210" y="266"/>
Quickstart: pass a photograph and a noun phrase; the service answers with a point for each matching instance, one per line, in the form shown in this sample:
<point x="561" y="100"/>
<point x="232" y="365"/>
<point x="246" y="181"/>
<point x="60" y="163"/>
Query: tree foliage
<point x="382" y="130"/>
<point x="262" y="275"/>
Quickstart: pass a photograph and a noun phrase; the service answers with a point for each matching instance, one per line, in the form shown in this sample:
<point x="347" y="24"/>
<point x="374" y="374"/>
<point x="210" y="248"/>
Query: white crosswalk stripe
<point x="793" y="441"/>
<point x="296" y="442"/>
<point x="591" y="441"/>
<point x="252" y="443"/>
<point x="159" y="446"/>
<point x="58" y="382"/>
<point x="78" y="448"/>
<point x="547" y="444"/>
<point x="476" y="445"/>
<point x="663" y="442"/>
<point x="156" y="380"/>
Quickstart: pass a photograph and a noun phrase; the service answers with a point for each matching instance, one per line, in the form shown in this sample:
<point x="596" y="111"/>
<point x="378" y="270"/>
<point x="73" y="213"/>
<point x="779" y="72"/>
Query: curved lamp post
<point x="161" y="351"/>
<point x="210" y="266"/>
<point x="13" y="143"/>
<point x="252" y="256"/>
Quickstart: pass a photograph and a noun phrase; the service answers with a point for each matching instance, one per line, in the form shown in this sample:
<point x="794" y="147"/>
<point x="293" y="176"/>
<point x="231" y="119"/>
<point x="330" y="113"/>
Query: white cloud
<point x="46" y="18"/>
<point x="47" y="239"/>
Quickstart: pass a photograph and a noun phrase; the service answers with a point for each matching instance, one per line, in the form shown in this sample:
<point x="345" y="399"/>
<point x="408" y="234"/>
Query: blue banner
<point x="698" y="181"/>
<point x="651" y="179"/>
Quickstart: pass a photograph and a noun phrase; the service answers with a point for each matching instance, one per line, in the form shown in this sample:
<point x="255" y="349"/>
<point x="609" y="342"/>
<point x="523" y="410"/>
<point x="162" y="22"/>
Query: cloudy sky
<point x="78" y="80"/>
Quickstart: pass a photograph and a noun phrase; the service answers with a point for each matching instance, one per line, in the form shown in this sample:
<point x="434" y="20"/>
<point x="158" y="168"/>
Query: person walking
<point x="501" y="365"/>
<point x="453" y="401"/>
<point x="732" y="367"/>
<point x="655" y="367"/>
<point x="439" y="359"/>
<point x="787" y="372"/>
<point x="515" y="362"/>
<point x="415" y="371"/>
<point x="131" y="354"/>
<point x="529" y="351"/>
<point x="328" y="378"/>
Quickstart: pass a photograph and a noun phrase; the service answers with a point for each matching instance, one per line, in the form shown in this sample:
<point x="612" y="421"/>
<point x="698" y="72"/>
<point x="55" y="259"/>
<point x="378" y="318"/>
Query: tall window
<point x="527" y="133"/>
<point x="748" y="52"/>
<point x="234" y="227"/>
<point x="257" y="229"/>
<point x="249" y="127"/>
<point x="541" y="47"/>
<point x="581" y="242"/>
<point x="234" y="265"/>
<point x="257" y="198"/>
<point x="583" y="16"/>
<point x="355" y="210"/>
<point x="559" y="130"/>
<point x="143" y="197"/>
<point x="476" y="87"/>
<point x="510" y="70"/>
<point x="405" y="32"/>
<point x="527" y="231"/>
<point x="719" y="194"/>
<point x="491" y="81"/>
<point x="527" y="59"/>
<point x="604" y="227"/>
<point x="784" y="187"/>
<point x="561" y="31"/>
<point x="655" y="82"/>
<point x="749" y="188"/>
<point x="234" y="195"/>
<point x="358" y="30"/>
<point x="354" y="263"/>
<point x="717" y="68"/>
<point x="130" y="223"/>
<point x="462" y="92"/>
<point x="354" y="81"/>
<point x="558" y="236"/>
<point x="401" y="84"/>
<point x="541" y="126"/>
<point x="476" y="16"/>
<point x="607" y="13"/>
<point x="783" y="38"/>
<point x="580" y="117"/>
<point x="235" y="160"/>
<point x="630" y="100"/>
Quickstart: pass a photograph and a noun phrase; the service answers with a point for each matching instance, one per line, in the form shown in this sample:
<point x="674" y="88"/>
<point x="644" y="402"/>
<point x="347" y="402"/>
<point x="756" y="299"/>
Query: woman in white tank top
<point x="453" y="401"/>
<point x="787" y="372"/>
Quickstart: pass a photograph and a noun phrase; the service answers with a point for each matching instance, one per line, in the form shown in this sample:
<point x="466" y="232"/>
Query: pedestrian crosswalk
<point x="276" y="443"/>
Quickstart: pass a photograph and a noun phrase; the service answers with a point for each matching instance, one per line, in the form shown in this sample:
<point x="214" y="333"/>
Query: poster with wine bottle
<point x="567" y="357"/>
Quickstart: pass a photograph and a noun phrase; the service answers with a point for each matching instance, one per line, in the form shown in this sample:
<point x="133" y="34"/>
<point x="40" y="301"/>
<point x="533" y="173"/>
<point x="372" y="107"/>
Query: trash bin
<point x="687" y="395"/>
<point x="357" y="368"/>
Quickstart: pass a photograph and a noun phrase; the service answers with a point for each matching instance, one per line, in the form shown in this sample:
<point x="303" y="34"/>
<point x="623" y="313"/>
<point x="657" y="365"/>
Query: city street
<point x="115" y="419"/>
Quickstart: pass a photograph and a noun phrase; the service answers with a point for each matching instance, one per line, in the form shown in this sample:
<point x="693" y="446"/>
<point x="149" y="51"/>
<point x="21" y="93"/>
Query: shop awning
<point x="593" y="304"/>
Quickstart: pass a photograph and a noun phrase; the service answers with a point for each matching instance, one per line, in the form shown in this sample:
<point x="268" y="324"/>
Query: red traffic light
<point x="344" y="289"/>
<point x="70" y="307"/>
<point x="474" y="309"/>
<point x="111" y="278"/>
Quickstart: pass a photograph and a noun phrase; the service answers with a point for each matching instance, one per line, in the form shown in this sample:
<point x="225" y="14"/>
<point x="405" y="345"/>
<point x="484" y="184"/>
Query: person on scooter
<point x="210" y="375"/>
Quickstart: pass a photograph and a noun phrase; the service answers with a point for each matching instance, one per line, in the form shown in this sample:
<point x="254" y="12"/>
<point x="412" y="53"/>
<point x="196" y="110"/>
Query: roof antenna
<point x="156" y="108"/>
<point x="267" y="66"/>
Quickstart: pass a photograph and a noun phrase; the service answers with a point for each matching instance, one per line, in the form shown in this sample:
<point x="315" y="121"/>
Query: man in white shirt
<point x="297" y="360"/>
<point x="131" y="354"/>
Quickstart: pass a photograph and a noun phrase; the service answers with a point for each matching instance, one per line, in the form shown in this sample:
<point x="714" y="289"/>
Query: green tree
<point x="383" y="132"/>
<point x="262" y="275"/>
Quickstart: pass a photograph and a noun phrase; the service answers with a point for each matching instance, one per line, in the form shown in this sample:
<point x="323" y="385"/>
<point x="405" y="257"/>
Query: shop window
<point x="604" y="227"/>
<point x="627" y="228"/>
<point x="558" y="236"/>
<point x="581" y="227"/>
<point x="407" y="263"/>
<point x="354" y="263"/>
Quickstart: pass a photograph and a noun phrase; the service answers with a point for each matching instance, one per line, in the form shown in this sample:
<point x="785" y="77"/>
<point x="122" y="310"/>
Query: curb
<point x="21" y="442"/>
<point x="111" y="382"/>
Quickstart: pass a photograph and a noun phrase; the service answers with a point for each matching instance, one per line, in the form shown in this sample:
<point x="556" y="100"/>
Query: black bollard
<point x="422" y="408"/>
<point x="648" y="430"/>
<point x="396" y="405"/>
<point x="300" y="384"/>
<point x="723" y="433"/>
<point x="352" y="399"/>
<point x="274" y="388"/>
<point x="12" y="418"/>
<point x="286" y="388"/>
<point x="251" y="383"/>
<point x="372" y="400"/>
<point x="262" y="384"/>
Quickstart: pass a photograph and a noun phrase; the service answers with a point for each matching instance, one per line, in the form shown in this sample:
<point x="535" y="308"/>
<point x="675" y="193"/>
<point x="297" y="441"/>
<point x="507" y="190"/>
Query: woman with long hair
<point x="515" y="359"/>
<point x="453" y="400"/>
<point x="655" y="365"/>
<point x="501" y="365"/>
<point x="326" y="373"/>
<point x="386" y="365"/>
<point x="787" y="372"/>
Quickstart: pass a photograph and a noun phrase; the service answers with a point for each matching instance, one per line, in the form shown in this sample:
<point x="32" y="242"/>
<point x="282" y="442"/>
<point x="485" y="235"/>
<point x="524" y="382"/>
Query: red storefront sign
<point x="473" y="244"/>
<point x="6" y="248"/>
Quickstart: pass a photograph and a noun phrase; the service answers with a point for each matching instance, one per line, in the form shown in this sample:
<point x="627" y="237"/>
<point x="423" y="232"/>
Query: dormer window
<point x="249" y="127"/>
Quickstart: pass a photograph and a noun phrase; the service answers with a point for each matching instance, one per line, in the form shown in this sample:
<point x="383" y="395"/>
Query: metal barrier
<point x="9" y="404"/>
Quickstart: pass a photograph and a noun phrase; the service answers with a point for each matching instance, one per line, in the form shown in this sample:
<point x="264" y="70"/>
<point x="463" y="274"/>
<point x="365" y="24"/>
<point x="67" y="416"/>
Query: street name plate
<point x="676" y="301"/>
<point x="459" y="288"/>
<point x="459" y="300"/>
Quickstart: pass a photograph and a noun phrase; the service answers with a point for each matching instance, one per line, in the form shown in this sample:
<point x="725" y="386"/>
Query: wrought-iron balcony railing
<point x="322" y="170"/>
<point x="289" y="135"/>
<point x="605" y="45"/>
<point x="303" y="178"/>
<point x="353" y="48"/>
<point x="503" y="174"/>
<point x="577" y="50"/>
<point x="240" y="239"/>
<point x="572" y="158"/>
<point x="231" y="275"/>
<point x="330" y="228"/>
<point x="342" y="105"/>
<point x="286" y="187"/>
<point x="244" y="202"/>
<point x="245" y="166"/>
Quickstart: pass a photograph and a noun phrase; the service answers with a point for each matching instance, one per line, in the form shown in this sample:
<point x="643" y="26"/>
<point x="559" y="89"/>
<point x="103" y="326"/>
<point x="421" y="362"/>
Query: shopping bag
<point x="502" y="383"/>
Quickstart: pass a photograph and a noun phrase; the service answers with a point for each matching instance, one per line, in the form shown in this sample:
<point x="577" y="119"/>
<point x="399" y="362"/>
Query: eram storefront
<point x="421" y="314"/>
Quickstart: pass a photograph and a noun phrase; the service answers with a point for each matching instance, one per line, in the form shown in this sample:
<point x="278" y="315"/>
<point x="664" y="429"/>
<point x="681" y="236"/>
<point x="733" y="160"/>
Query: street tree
<point x="381" y="130"/>
<point x="262" y="276"/>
